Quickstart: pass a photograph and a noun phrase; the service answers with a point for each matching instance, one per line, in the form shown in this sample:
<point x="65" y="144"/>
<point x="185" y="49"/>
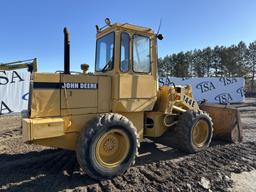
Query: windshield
<point x="105" y="53"/>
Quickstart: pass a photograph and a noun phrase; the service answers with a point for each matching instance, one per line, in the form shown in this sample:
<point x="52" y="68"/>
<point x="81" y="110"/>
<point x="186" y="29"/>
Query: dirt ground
<point x="159" y="167"/>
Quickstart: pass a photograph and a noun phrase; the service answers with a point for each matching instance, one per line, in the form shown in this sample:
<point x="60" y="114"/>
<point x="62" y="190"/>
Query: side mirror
<point x="160" y="37"/>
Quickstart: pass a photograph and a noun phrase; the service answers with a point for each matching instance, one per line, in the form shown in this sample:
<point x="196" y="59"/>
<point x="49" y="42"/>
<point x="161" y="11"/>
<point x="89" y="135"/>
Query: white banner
<point x="213" y="89"/>
<point x="14" y="88"/>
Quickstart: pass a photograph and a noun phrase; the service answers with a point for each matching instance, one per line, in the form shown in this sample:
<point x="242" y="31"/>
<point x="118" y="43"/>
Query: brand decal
<point x="205" y="86"/>
<point x="227" y="81"/>
<point x="79" y="86"/>
<point x="69" y="85"/>
<point x="188" y="101"/>
<point x="223" y="98"/>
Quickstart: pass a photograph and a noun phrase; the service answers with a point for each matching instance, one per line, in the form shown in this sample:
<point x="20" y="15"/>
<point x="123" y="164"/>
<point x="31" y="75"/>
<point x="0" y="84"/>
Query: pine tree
<point x="252" y="64"/>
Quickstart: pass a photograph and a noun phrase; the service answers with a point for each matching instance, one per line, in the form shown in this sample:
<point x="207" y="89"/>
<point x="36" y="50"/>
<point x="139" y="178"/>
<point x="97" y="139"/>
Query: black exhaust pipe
<point x="66" y="52"/>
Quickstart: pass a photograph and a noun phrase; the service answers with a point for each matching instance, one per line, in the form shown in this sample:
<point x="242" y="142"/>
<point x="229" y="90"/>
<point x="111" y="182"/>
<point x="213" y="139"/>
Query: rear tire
<point x="107" y="146"/>
<point x="194" y="131"/>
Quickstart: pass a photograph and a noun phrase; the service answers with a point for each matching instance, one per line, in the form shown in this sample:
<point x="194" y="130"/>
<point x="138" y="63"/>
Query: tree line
<point x="233" y="61"/>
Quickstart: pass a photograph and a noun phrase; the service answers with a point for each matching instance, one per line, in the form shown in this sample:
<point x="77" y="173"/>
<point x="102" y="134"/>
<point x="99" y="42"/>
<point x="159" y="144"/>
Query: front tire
<point x="194" y="131"/>
<point x="107" y="146"/>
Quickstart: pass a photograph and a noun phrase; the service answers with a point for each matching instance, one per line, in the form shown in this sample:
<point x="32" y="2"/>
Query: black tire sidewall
<point x="90" y="148"/>
<point x="183" y="131"/>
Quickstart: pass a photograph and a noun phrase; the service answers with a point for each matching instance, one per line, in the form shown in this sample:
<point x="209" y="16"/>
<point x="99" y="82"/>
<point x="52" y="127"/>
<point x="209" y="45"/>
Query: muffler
<point x="66" y="51"/>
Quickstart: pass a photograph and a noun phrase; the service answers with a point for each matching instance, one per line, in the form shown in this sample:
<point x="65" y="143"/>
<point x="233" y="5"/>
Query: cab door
<point x="137" y="82"/>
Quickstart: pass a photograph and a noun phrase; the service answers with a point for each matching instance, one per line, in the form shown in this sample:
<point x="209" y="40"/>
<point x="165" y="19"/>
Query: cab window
<point x="141" y="54"/>
<point x="125" y="52"/>
<point x="105" y="53"/>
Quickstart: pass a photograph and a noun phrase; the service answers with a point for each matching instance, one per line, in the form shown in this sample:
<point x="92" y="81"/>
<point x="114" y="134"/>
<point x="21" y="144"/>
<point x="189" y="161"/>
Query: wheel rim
<point x="200" y="133"/>
<point x="112" y="148"/>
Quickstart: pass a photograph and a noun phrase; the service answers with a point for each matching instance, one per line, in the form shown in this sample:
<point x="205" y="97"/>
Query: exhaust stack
<point x="66" y="52"/>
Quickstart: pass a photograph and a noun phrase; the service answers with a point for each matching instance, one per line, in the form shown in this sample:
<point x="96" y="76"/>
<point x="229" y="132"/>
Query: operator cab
<point x="125" y="48"/>
<point x="127" y="53"/>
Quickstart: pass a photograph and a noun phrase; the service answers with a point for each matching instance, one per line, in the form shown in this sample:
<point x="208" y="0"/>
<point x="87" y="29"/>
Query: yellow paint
<point x="137" y="118"/>
<point x="45" y="102"/>
<point x="157" y="128"/>
<point x="133" y="105"/>
<point x="78" y="122"/>
<point x="67" y="141"/>
<point x="104" y="94"/>
<point x="112" y="148"/>
<point x="39" y="128"/>
<point x="200" y="133"/>
<point x="130" y="86"/>
<point x="59" y="114"/>
<point x="26" y="130"/>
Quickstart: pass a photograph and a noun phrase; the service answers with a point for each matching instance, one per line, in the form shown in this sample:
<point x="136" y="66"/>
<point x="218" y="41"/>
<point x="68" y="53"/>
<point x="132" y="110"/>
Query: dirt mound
<point x="55" y="170"/>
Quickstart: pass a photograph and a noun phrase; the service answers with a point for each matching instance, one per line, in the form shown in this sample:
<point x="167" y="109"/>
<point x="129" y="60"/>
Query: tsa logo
<point x="240" y="91"/>
<point x="205" y="86"/>
<point x="165" y="82"/>
<point x="223" y="98"/>
<point x="25" y="97"/>
<point x="14" y="78"/>
<point x="227" y="81"/>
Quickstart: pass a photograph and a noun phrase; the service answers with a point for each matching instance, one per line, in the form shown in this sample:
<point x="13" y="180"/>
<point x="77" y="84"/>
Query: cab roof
<point x="124" y="26"/>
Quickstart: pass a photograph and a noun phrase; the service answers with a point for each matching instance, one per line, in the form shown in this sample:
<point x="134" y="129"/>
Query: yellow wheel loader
<point x="104" y="116"/>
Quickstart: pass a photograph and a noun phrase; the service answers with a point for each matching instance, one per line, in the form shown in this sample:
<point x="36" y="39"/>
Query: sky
<point x="34" y="28"/>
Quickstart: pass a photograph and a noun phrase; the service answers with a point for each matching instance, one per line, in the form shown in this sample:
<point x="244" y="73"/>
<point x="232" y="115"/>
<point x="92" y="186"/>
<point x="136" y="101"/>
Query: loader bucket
<point x="226" y="122"/>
